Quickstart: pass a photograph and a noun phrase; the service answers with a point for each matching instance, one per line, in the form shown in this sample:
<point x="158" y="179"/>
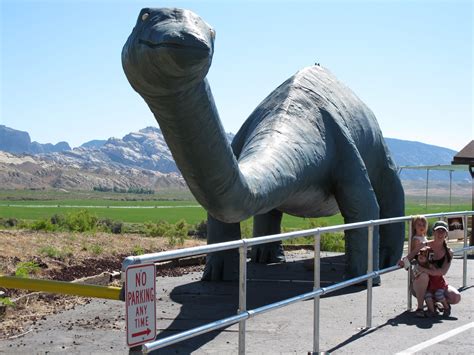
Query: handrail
<point x="243" y="244"/>
<point x="211" y="248"/>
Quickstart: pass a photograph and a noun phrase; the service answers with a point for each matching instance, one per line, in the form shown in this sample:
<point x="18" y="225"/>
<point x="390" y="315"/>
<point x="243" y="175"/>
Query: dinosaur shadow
<point x="204" y="302"/>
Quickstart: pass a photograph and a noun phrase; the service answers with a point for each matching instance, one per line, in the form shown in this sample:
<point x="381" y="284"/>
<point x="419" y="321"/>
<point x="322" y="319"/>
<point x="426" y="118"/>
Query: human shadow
<point x="407" y="318"/>
<point x="205" y="302"/>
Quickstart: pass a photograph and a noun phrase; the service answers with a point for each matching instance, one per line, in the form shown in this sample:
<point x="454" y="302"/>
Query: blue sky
<point x="409" y="61"/>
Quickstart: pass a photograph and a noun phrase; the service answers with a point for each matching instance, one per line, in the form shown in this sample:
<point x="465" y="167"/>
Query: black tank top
<point x="439" y="263"/>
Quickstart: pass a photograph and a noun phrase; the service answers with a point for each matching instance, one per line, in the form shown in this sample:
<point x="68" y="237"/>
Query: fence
<point x="243" y="245"/>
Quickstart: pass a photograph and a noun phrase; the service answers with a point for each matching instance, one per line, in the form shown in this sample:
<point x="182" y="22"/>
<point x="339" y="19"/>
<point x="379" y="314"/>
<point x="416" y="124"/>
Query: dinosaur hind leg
<point x="267" y="224"/>
<point x="222" y="265"/>
<point x="357" y="202"/>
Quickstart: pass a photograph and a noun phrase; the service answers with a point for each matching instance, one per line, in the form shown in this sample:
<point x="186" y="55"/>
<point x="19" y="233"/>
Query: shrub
<point x="51" y="252"/>
<point x="82" y="221"/>
<point x="333" y="242"/>
<point x="8" y="222"/>
<point x="105" y="223"/>
<point x="116" y="227"/>
<point x="58" y="219"/>
<point x="329" y="241"/>
<point x="6" y="301"/>
<point x="200" y="229"/>
<point x="96" y="249"/>
<point x="26" y="268"/>
<point x="157" y="229"/>
<point x="179" y="234"/>
<point x="43" y="224"/>
<point x="175" y="233"/>
<point x="138" y="250"/>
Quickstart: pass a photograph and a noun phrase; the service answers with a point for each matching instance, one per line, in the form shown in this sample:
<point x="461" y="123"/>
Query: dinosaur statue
<point x="310" y="149"/>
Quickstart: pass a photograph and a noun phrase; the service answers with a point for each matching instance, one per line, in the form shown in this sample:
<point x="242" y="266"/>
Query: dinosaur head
<point x="168" y="51"/>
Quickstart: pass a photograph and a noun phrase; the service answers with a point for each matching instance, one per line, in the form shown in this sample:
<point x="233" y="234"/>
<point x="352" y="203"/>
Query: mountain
<point x="14" y="141"/>
<point x="416" y="153"/>
<point x="142" y="159"/>
<point x="409" y="153"/>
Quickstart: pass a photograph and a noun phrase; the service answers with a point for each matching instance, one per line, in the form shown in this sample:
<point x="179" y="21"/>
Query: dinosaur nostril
<point x="145" y="16"/>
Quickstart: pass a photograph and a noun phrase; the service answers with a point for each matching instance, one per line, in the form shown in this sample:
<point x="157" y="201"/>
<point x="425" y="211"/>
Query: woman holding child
<point x="425" y="277"/>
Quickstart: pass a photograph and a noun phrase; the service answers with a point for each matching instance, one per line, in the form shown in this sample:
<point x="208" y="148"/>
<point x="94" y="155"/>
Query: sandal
<point x="431" y="314"/>
<point x="447" y="312"/>
<point x="419" y="313"/>
<point x="439" y="307"/>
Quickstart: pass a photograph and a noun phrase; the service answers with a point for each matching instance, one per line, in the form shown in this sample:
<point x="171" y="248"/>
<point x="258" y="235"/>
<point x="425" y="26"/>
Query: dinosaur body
<point x="310" y="149"/>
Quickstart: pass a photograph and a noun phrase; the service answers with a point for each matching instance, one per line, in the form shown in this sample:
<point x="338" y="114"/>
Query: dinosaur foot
<point x="222" y="266"/>
<point x="268" y="253"/>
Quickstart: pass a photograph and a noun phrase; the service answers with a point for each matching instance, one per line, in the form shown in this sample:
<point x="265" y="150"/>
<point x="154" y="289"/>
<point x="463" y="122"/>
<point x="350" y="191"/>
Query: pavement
<point x="185" y="302"/>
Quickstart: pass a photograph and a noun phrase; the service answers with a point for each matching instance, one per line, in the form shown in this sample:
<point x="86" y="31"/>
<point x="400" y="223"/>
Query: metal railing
<point x="243" y="245"/>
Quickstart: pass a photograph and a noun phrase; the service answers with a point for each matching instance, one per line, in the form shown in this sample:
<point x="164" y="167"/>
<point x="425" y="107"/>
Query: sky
<point x="409" y="61"/>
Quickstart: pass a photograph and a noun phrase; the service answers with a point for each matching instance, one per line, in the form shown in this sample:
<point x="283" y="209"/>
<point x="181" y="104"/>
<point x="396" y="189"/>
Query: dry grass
<point x="21" y="246"/>
<point x="61" y="256"/>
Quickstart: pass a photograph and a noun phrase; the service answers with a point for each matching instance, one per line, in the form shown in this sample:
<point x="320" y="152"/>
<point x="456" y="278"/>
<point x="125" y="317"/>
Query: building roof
<point x="466" y="155"/>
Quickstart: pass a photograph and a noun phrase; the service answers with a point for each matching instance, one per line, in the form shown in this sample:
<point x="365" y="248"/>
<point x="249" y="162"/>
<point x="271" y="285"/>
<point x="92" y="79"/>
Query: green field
<point x="170" y="206"/>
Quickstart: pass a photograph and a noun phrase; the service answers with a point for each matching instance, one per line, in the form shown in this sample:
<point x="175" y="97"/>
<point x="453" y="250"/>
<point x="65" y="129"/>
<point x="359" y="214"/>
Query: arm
<point x="443" y="270"/>
<point x="418" y="245"/>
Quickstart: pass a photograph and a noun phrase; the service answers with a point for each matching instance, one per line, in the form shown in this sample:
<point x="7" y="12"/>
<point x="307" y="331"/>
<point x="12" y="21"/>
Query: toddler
<point x="437" y="284"/>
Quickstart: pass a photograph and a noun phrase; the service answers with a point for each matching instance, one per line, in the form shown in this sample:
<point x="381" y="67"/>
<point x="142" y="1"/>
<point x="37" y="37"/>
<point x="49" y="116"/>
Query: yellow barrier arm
<point x="68" y="288"/>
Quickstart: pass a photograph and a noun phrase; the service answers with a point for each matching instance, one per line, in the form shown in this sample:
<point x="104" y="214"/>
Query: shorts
<point x="438" y="294"/>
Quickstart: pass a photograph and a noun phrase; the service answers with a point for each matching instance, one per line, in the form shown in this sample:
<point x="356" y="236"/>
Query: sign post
<point x="140" y="301"/>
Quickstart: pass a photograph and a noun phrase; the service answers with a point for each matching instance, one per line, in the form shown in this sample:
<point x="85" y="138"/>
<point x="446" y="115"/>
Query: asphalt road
<point x="185" y="302"/>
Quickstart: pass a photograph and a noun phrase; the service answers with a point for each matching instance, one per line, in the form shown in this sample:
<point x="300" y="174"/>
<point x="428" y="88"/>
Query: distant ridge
<point x="14" y="141"/>
<point x="94" y="144"/>
<point x="410" y="153"/>
<point x="143" y="159"/>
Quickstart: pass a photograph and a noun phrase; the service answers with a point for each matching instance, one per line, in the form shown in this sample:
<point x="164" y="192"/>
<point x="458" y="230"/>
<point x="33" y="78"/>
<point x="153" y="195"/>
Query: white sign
<point x="140" y="300"/>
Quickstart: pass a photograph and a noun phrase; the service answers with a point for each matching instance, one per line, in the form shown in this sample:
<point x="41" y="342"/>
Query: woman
<point x="442" y="256"/>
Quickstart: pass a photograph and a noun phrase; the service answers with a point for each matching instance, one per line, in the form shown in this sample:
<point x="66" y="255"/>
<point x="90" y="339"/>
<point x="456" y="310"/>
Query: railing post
<point x="370" y="268"/>
<point x="242" y="295"/>
<point x="464" y="262"/>
<point x="317" y="285"/>
<point x="409" y="305"/>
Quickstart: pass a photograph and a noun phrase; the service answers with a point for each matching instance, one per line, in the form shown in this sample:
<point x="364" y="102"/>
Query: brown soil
<point x="67" y="257"/>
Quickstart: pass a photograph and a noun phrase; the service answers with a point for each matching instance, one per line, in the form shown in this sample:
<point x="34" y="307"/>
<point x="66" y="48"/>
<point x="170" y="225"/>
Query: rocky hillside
<point x="69" y="171"/>
<point x="139" y="159"/>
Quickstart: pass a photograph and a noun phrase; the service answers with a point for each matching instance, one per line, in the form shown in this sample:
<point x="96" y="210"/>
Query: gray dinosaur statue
<point x="310" y="149"/>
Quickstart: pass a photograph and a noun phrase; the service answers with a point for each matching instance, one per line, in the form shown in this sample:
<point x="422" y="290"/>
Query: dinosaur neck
<point x="192" y="129"/>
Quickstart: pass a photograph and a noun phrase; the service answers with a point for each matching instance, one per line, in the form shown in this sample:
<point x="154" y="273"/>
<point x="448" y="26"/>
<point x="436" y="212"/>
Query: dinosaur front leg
<point x="224" y="265"/>
<point x="391" y="199"/>
<point x="267" y="224"/>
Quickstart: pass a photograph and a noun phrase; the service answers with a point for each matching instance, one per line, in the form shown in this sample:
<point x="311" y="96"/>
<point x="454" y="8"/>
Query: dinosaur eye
<point x="145" y="16"/>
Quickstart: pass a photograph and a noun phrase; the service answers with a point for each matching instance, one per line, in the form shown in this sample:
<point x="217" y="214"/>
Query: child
<point x="419" y="228"/>
<point x="437" y="284"/>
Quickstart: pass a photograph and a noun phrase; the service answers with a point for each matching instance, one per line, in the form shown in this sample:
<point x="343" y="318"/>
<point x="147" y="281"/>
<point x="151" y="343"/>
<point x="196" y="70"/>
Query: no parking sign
<point x="140" y="301"/>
